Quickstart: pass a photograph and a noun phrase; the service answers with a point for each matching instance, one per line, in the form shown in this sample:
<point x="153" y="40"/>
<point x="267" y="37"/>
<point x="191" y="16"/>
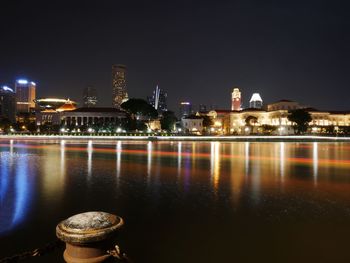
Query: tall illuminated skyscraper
<point x="185" y="109"/>
<point x="158" y="99"/>
<point x="25" y="95"/>
<point x="236" y="99"/>
<point x="7" y="104"/>
<point x="90" y="97"/>
<point x="119" y="85"/>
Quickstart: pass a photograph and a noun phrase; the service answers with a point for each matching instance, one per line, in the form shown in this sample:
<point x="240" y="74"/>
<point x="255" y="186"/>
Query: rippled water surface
<point x="183" y="201"/>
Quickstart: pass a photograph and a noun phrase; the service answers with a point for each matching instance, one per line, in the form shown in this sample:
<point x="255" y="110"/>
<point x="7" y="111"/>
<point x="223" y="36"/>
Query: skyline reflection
<point x="247" y="170"/>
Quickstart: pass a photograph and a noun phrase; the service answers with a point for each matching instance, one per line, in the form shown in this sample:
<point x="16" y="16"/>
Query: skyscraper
<point x="185" y="109"/>
<point x="256" y="101"/>
<point x="90" y="97"/>
<point x="158" y="99"/>
<point x="25" y="95"/>
<point x="7" y="104"/>
<point x="236" y="99"/>
<point x="119" y="85"/>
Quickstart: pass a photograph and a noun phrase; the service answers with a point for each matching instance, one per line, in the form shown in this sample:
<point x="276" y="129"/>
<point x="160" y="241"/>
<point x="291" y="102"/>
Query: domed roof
<point x="68" y="106"/>
<point x="256" y="97"/>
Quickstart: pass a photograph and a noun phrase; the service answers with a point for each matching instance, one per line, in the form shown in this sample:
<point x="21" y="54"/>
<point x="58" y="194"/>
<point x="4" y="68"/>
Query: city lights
<point x="22" y="81"/>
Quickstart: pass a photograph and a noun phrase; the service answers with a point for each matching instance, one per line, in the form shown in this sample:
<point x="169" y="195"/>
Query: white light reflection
<point x="63" y="159"/>
<point x="315" y="161"/>
<point x="149" y="160"/>
<point x="11" y="147"/>
<point x="119" y="153"/>
<point x="179" y="158"/>
<point x="246" y="158"/>
<point x="215" y="163"/>
<point x="89" y="150"/>
<point x="282" y="159"/>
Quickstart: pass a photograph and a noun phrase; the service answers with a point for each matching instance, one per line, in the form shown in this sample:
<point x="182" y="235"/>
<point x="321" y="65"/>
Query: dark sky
<point x="195" y="50"/>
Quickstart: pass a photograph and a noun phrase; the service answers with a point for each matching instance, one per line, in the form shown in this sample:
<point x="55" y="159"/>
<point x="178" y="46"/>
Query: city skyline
<point x="198" y="53"/>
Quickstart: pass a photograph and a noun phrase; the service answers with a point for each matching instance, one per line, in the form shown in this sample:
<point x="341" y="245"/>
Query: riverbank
<point x="306" y="138"/>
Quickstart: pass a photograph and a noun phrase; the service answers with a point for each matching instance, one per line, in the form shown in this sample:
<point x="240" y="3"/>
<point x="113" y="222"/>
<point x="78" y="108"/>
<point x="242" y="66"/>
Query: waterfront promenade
<point x="146" y="137"/>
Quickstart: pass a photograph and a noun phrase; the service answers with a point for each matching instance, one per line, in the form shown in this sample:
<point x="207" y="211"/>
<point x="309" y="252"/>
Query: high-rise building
<point x="185" y="109"/>
<point x="158" y="99"/>
<point x="8" y="104"/>
<point x="202" y="108"/>
<point x="236" y="100"/>
<point x="256" y="101"/>
<point x="25" y="95"/>
<point x="90" y="97"/>
<point x="119" y="85"/>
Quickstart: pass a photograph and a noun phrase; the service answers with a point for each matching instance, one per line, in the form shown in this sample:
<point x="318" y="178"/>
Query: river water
<point x="183" y="201"/>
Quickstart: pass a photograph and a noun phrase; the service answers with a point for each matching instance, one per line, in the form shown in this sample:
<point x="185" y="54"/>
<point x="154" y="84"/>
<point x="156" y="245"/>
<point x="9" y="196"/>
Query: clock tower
<point x="236" y="99"/>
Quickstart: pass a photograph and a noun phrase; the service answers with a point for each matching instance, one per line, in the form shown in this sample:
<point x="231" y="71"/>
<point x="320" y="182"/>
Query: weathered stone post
<point x="88" y="236"/>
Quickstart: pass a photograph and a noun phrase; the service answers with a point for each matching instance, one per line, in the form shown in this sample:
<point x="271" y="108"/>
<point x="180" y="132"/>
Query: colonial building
<point x="284" y="105"/>
<point x="236" y="100"/>
<point x="92" y="116"/>
<point x="192" y="125"/>
<point x="274" y="120"/>
<point x="49" y="109"/>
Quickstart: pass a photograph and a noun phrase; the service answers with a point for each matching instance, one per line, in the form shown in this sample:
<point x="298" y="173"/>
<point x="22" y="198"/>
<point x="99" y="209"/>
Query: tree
<point x="301" y="118"/>
<point x="140" y="107"/>
<point x="168" y="120"/>
<point x="5" y="124"/>
<point x="207" y="122"/>
<point x="268" y="129"/>
<point x="251" y="120"/>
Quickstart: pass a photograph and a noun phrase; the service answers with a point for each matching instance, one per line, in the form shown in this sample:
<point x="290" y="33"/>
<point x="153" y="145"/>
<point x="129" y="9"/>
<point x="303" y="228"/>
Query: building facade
<point x="25" y="95"/>
<point x="120" y="94"/>
<point x="258" y="121"/>
<point x="84" y="117"/>
<point x="192" y="125"/>
<point x="49" y="110"/>
<point x="8" y="104"/>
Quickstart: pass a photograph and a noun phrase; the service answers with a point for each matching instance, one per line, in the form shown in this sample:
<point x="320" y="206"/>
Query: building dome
<point x="256" y="97"/>
<point x="52" y="103"/>
<point x="68" y="106"/>
<point x="256" y="101"/>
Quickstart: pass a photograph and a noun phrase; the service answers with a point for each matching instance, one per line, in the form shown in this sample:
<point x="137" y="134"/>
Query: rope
<point x="49" y="247"/>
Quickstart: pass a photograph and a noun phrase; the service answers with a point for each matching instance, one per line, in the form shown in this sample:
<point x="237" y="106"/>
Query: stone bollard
<point x="88" y="236"/>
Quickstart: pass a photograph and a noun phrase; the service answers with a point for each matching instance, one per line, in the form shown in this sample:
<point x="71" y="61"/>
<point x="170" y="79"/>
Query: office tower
<point x="236" y="99"/>
<point x="7" y="104"/>
<point x="119" y="85"/>
<point x="158" y="99"/>
<point x="256" y="101"/>
<point x="90" y="97"/>
<point x="202" y="108"/>
<point x="25" y="95"/>
<point x="185" y="109"/>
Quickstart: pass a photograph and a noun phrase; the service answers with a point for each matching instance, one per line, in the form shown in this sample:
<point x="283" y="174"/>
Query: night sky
<point x="195" y="50"/>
